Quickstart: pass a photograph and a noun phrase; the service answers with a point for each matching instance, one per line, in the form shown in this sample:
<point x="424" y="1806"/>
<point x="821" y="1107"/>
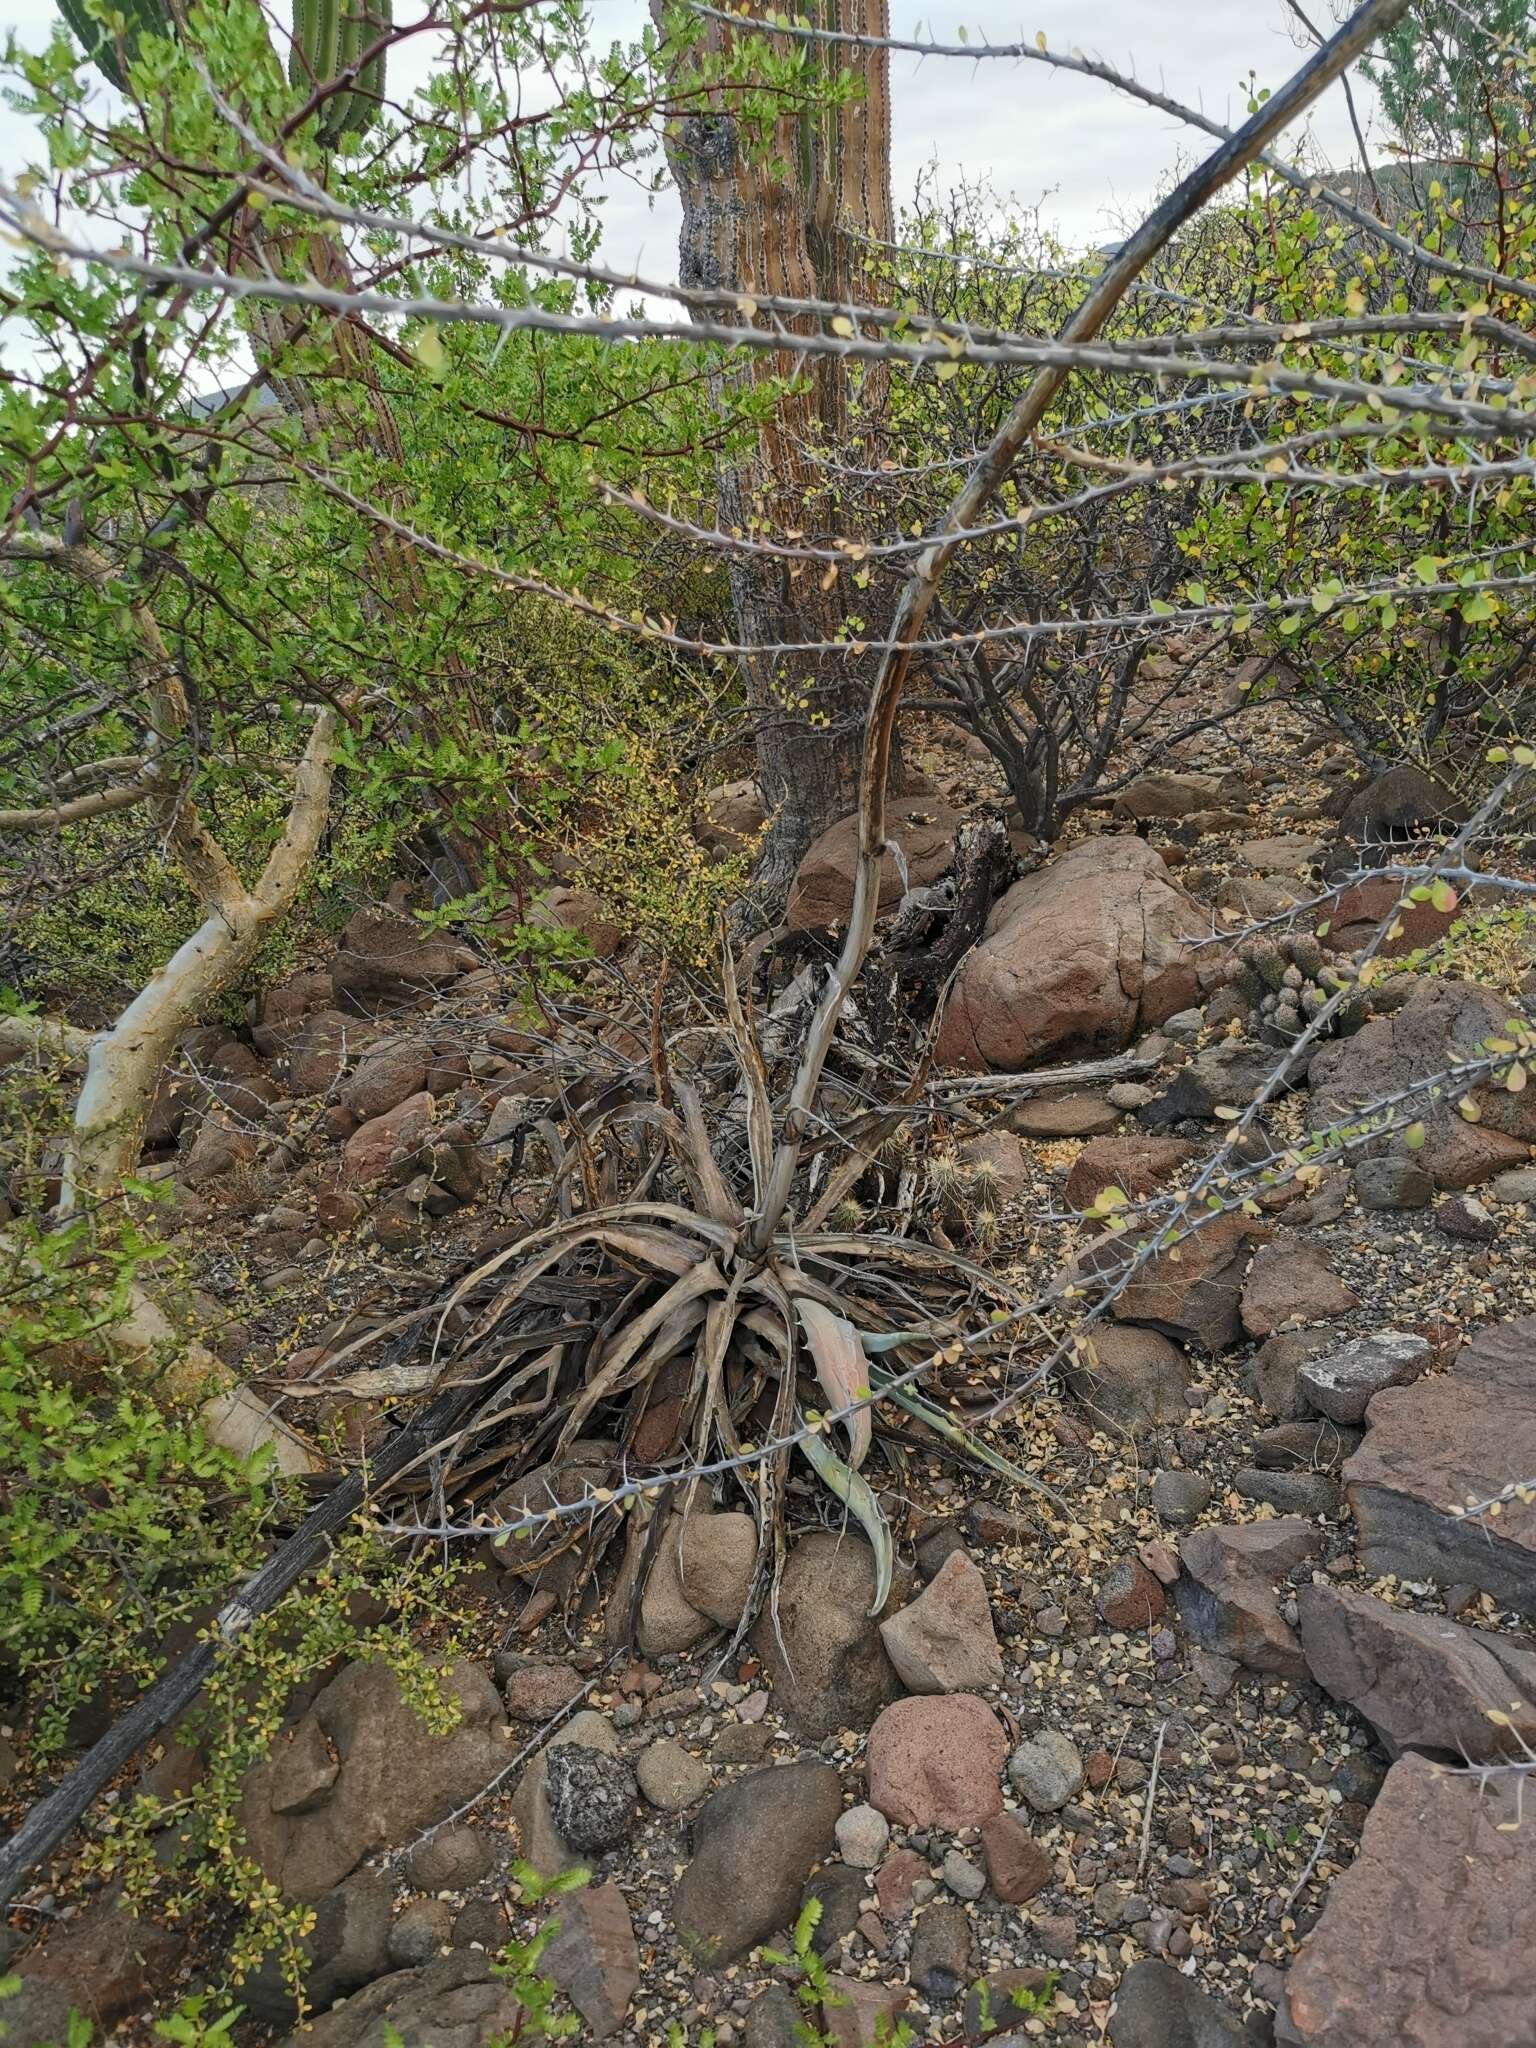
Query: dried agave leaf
<point x="841" y="1368"/>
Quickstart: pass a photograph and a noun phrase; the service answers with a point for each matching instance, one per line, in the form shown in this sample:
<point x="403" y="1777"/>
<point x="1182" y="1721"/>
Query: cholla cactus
<point x="328" y="38"/>
<point x="1287" y="980"/>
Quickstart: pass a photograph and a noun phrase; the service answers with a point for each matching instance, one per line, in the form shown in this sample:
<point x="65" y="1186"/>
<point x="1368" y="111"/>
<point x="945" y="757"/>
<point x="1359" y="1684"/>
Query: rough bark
<point x="746" y="228"/>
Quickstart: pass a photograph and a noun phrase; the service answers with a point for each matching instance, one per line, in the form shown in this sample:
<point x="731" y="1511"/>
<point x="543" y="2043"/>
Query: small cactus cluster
<point x="329" y="36"/>
<point x="967" y="1195"/>
<point x="1286" y="980"/>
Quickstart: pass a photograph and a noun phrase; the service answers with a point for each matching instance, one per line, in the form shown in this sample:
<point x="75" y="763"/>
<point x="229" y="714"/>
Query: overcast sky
<point x="1087" y="157"/>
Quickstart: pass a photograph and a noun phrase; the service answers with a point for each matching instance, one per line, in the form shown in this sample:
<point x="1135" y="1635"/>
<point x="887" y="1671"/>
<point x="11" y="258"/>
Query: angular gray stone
<point x="593" y="1957"/>
<point x="1342" y="1384"/>
<point x="1226" y="1597"/>
<point x="454" y="2002"/>
<point x="943" y="1951"/>
<point x="1422" y="1682"/>
<point x="1393" y="1182"/>
<point x="944" y="1641"/>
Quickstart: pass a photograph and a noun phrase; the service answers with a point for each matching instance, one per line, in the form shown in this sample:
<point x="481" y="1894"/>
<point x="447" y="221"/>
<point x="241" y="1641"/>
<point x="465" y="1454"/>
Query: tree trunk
<point x="790" y="221"/>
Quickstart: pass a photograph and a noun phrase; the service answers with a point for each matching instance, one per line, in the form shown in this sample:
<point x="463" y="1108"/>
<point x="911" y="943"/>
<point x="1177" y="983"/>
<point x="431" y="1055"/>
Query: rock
<point x="1466" y="1219"/>
<point x="303" y="1769"/>
<point x="284" y="1009"/>
<point x="1422" y="1682"/>
<point x="1516" y="1185"/>
<point x="754" y="1845"/>
<point x="581" y="913"/>
<point x="730" y="818"/>
<point x="482" y="1923"/>
<point x="1500" y="1355"/>
<point x="839" y="1890"/>
<point x="719" y="1558"/>
<point x="943" y="1951"/>
<point x="1439" y="1021"/>
<point x="996" y="1998"/>
<point x="1128" y="1095"/>
<point x="1255" y="897"/>
<point x="419" y="1931"/>
<point x="451" y="1858"/>
<point x="1129" y="1596"/>
<point x="897" y="1881"/>
<point x="826" y="1662"/>
<point x="1273" y="1368"/>
<point x="385" y="960"/>
<point x="924" y="827"/>
<point x="1168" y="793"/>
<point x="106" y="1962"/>
<point x="389" y="1072"/>
<point x="1134" y="1382"/>
<point x="390" y="1147"/>
<point x="1291" y="1493"/>
<point x="856" y="2012"/>
<point x="593" y="1957"/>
<point x="1290" y="1284"/>
<point x="1077" y="958"/>
<point x="395" y="1776"/>
<point x="541" y="1842"/>
<point x="1430" y="1446"/>
<point x="1360" y="911"/>
<point x="1226" y="1599"/>
<point x="997" y="1166"/>
<point x="1157" y="2006"/>
<point x="988" y="1522"/>
<point x="943" y="1641"/>
<point x="1181" y="1497"/>
<point x="1396" y="806"/>
<point x="1017" y="1867"/>
<point x="937" y="1762"/>
<point x="670" y="1777"/>
<point x="454" y="2002"/>
<point x="1227" y="1075"/>
<point x="669" y="1624"/>
<point x="741" y="1742"/>
<point x="221" y="1144"/>
<point x="591" y="1797"/>
<point x="1185" y="1026"/>
<point x="1064" y="1116"/>
<point x="327" y="1046"/>
<point x="1139" y="1167"/>
<point x="1341" y="1384"/>
<point x="546" y="1558"/>
<point x="540" y="1691"/>
<point x="1320" y="1446"/>
<point x="1047" y="1770"/>
<point x="863" y="1835"/>
<point x="1282" y="854"/>
<point x="1396" y="1181"/>
<point x="962" y="1876"/>
<point x="773" y="2020"/>
<point x="1195" y="1298"/>
<point x="1427" y="1937"/>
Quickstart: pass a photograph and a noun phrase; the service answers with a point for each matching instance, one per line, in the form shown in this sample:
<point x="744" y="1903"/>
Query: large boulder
<point x="386" y="960"/>
<point x="823" y="1653"/>
<point x="1439" y="1022"/>
<point x="1421" y="1681"/>
<point x="924" y="827"/>
<point x="1427" y="1938"/>
<point x="754" y="1845"/>
<point x="395" y="1775"/>
<point x="1077" y="958"/>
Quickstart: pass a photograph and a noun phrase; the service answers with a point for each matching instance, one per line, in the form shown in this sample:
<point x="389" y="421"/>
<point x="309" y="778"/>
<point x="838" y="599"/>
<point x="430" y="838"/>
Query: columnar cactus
<point x="328" y="38"/>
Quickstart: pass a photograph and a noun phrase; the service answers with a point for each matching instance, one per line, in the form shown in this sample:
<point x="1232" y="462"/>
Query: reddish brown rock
<point x="1288" y="1285"/>
<point x="386" y="959"/>
<point x="1064" y="1116"/>
<point x="107" y="1961"/>
<point x="924" y="827"/>
<point x="1077" y="958"/>
<point x="937" y="1762"/>
<point x="1501" y="1355"/>
<point x="1130" y="1596"/>
<point x="220" y="1145"/>
<point x="1427" y="1938"/>
<point x="1422" y="1681"/>
<point x="894" y="1881"/>
<point x="581" y="913"/>
<point x="1440" y="1021"/>
<point x="1138" y="1166"/>
<point x="856" y="2012"/>
<point x="389" y="1147"/>
<point x="385" y="1076"/>
<point x="1226" y="1598"/>
<point x="284" y="1009"/>
<point x="1434" y="1446"/>
<point x="1017" y="1866"/>
<point x="1195" y="1297"/>
<point x="328" y="1044"/>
